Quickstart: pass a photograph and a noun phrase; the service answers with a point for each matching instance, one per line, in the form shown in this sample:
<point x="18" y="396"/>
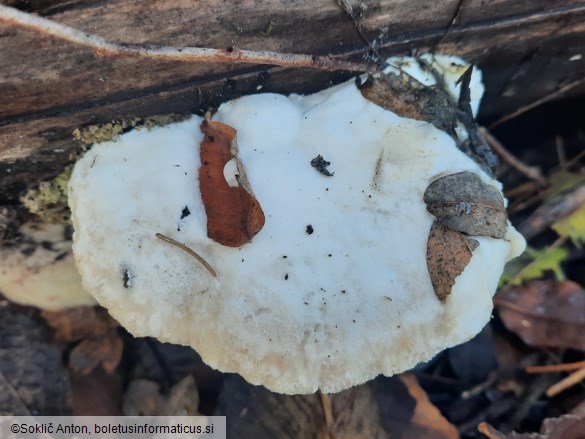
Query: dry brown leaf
<point x="464" y="203"/>
<point x="80" y="322"/>
<point x="426" y="415"/>
<point x="448" y="253"/>
<point x="545" y="313"/>
<point x="142" y="398"/>
<point x="234" y="215"/>
<point x="96" y="331"/>
<point x="409" y="98"/>
<point x="91" y="352"/>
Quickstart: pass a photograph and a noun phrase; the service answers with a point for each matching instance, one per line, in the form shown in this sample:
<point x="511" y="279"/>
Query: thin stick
<point x="562" y="90"/>
<point x="531" y="172"/>
<point x="547" y="214"/>
<point x="348" y="9"/>
<point x="188" y="250"/>
<point x="565" y="383"/>
<point x="555" y="367"/>
<point x="489" y="431"/>
<point x="328" y="414"/>
<point x="561" y="153"/>
<point x="106" y="48"/>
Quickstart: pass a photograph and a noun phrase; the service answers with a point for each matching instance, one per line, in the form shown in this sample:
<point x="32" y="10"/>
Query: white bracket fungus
<point x="40" y="270"/>
<point x="333" y="289"/>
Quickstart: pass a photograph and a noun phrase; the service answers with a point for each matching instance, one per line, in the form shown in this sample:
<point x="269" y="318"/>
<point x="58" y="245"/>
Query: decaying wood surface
<point x="526" y="48"/>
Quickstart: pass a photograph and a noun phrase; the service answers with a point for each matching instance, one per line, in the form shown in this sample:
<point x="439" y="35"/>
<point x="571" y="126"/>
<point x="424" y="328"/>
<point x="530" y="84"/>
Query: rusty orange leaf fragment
<point x="448" y="253"/>
<point x="234" y="215"/>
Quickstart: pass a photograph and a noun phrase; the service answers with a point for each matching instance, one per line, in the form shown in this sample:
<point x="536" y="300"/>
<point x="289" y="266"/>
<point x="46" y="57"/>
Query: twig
<point x="551" y="212"/>
<point x="575" y="160"/>
<point x="555" y="367"/>
<point x="522" y="189"/>
<point x="565" y="88"/>
<point x="14" y="394"/>
<point x="107" y="48"/>
<point x="454" y="16"/>
<point x="188" y="250"/>
<point x="348" y="9"/>
<point x="529" y="396"/>
<point x="476" y="390"/>
<point x="561" y="153"/>
<point x="565" y="383"/>
<point x="489" y="431"/>
<point x="531" y="172"/>
<point x="327" y="413"/>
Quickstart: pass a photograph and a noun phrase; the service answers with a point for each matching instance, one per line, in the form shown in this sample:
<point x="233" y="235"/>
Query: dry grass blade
<point x="489" y="431"/>
<point x="573" y="379"/>
<point x="548" y="213"/>
<point x="531" y="172"/>
<point x="188" y="250"/>
<point x="555" y="367"/>
<point x="549" y="97"/>
<point x="328" y="414"/>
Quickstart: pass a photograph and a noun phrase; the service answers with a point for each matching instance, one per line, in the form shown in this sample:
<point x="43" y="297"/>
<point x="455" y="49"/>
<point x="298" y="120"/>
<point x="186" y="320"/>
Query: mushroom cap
<point x="291" y="310"/>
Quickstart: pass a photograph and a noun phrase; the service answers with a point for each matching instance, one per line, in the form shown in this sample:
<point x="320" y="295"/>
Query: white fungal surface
<point x="291" y="310"/>
<point x="40" y="271"/>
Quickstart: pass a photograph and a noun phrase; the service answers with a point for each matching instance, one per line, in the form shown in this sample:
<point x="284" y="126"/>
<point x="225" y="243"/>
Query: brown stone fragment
<point x="234" y="215"/>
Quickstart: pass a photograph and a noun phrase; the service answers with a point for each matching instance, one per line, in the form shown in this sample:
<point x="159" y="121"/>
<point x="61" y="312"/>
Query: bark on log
<point x="526" y="48"/>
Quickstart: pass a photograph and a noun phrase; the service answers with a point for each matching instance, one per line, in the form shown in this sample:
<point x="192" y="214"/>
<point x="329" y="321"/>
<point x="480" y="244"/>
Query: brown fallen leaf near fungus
<point x="545" y="313"/>
<point x="464" y="203"/>
<point x="409" y="98"/>
<point x="234" y="215"/>
<point x="96" y="332"/>
<point x="448" y="253"/>
<point x="73" y="324"/>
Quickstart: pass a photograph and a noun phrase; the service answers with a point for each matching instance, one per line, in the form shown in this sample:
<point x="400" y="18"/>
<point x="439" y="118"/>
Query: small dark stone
<point x="309" y="230"/>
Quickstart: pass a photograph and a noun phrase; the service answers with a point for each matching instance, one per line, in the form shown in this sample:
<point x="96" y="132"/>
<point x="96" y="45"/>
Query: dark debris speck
<point x="185" y="212"/>
<point x="126" y="278"/>
<point x="320" y="164"/>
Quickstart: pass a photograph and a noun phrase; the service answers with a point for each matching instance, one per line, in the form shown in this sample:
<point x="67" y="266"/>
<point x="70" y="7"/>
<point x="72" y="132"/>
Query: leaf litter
<point x="462" y="205"/>
<point x="545" y="313"/>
